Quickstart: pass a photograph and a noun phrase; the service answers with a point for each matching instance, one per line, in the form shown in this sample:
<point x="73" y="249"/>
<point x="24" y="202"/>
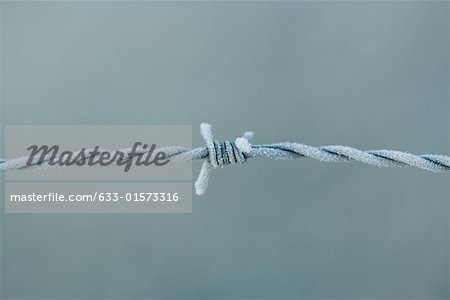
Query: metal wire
<point x="220" y="153"/>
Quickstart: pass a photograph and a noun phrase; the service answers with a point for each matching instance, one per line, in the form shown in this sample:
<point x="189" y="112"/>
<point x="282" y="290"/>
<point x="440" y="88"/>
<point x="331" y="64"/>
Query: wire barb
<point x="221" y="153"/>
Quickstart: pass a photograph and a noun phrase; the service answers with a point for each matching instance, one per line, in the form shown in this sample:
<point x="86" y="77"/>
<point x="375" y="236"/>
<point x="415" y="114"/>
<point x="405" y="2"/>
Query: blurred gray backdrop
<point x="372" y="75"/>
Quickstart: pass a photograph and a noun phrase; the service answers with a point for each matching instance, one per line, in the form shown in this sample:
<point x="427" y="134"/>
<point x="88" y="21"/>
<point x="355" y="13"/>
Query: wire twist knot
<point x="221" y="153"/>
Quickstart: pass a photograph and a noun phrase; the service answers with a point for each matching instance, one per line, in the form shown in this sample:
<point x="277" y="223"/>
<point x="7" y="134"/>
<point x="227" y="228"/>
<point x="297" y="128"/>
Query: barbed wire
<point x="218" y="153"/>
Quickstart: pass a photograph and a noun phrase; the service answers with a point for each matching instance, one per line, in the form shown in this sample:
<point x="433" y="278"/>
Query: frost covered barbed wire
<point x="219" y="153"/>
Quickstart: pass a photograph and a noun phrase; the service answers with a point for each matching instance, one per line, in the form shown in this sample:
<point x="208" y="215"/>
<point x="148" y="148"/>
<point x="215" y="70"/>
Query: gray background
<point x="370" y="75"/>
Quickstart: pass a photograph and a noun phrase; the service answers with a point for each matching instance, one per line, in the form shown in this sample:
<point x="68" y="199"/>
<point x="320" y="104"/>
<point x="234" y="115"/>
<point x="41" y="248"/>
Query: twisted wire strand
<point x="220" y="153"/>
